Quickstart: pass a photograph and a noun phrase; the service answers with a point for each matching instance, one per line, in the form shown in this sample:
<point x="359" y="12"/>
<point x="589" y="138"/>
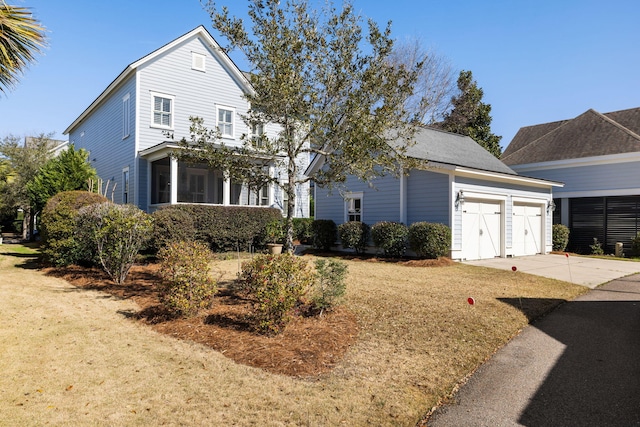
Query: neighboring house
<point x="491" y="210"/>
<point x="131" y="128"/>
<point x="597" y="156"/>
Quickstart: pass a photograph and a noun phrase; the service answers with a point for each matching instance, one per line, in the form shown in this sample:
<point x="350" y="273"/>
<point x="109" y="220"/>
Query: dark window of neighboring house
<point x="557" y="213"/>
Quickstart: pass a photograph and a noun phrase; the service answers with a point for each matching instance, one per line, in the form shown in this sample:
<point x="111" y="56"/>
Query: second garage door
<point x="527" y="229"/>
<point x="481" y="235"/>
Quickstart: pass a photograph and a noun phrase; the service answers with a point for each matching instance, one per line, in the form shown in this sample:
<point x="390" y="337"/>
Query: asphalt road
<point x="578" y="366"/>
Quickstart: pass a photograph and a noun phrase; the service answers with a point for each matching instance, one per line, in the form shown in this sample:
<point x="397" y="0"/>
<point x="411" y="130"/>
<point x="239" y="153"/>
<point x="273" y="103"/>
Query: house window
<point x="198" y="61"/>
<point x="354" y="207"/>
<point x="125" y="185"/>
<point x="162" y="110"/>
<point x="126" y="116"/>
<point x="225" y="122"/>
<point x="263" y="196"/>
<point x="257" y="132"/>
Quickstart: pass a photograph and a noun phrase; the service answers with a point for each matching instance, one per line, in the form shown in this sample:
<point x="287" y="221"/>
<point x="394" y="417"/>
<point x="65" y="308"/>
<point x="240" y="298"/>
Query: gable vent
<point x="198" y="61"/>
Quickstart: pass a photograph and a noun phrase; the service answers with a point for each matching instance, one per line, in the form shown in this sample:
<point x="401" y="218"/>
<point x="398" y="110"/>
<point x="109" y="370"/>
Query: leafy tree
<point x="20" y="37"/>
<point x="470" y="116"/>
<point x="332" y="90"/>
<point x="24" y="160"/>
<point x="69" y="171"/>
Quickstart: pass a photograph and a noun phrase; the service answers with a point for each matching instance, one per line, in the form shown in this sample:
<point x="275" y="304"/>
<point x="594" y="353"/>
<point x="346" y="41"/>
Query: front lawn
<point x="414" y="338"/>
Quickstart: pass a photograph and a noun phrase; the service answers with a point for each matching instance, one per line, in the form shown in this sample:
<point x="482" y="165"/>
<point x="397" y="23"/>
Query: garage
<point x="481" y="229"/>
<point x="527" y="229"/>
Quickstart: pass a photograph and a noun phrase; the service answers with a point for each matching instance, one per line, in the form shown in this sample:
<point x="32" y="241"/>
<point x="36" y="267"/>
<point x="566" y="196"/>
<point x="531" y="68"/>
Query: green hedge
<point x="391" y="237"/>
<point x="223" y="228"/>
<point x="324" y="233"/>
<point x="354" y="234"/>
<point x="61" y="243"/>
<point x="560" y="238"/>
<point x="430" y="240"/>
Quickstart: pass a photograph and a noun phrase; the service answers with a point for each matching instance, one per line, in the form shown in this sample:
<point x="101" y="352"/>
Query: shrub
<point x="171" y="225"/>
<point x="330" y="284"/>
<point x="187" y="285"/>
<point x="276" y="283"/>
<point x="324" y="233"/>
<point x="430" y="240"/>
<point x="118" y="232"/>
<point x="596" y="248"/>
<point x="560" y="239"/>
<point x="61" y="243"/>
<point x="354" y="234"/>
<point x="227" y="228"/>
<point x="635" y="246"/>
<point x="391" y="237"/>
<point x="302" y="230"/>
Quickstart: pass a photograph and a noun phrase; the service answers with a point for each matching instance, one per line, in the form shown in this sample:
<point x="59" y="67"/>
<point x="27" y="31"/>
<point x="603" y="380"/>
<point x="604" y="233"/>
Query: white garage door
<point x="481" y="236"/>
<point x="527" y="229"/>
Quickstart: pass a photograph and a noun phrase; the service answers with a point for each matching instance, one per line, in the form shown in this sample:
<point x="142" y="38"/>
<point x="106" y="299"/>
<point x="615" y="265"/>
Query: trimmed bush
<point x="324" y="233"/>
<point x="430" y="240"/>
<point x="61" y="243"/>
<point x="275" y="283"/>
<point x="228" y="228"/>
<point x="635" y="246"/>
<point x="560" y="237"/>
<point x="118" y="232"/>
<point x="391" y="237"/>
<point x="187" y="285"/>
<point x="302" y="230"/>
<point x="330" y="284"/>
<point x="354" y="234"/>
<point x="169" y="226"/>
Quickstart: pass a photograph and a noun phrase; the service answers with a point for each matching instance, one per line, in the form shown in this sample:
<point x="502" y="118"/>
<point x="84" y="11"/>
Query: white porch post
<point x="403" y="198"/>
<point x="226" y="190"/>
<point x="174" y="180"/>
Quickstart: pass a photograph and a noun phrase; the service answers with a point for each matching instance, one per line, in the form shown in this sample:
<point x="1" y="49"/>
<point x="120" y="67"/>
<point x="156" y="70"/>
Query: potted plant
<point x="274" y="233"/>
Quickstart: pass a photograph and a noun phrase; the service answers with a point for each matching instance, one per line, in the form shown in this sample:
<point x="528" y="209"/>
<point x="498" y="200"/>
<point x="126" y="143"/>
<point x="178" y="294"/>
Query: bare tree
<point x="435" y="83"/>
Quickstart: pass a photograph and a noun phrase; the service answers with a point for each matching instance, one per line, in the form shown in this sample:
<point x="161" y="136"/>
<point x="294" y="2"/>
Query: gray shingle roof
<point x="588" y="135"/>
<point x="453" y="149"/>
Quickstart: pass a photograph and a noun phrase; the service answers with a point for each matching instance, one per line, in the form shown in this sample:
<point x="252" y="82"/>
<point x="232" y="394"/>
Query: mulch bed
<point x="309" y="346"/>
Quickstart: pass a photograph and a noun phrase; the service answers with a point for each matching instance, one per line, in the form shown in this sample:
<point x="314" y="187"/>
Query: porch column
<point x="226" y="190"/>
<point x="174" y="180"/>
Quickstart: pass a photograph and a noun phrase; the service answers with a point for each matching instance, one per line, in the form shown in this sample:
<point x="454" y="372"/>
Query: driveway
<point x="577" y="366"/>
<point x="584" y="271"/>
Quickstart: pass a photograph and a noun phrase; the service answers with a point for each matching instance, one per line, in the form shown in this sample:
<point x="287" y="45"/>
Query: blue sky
<point x="536" y="61"/>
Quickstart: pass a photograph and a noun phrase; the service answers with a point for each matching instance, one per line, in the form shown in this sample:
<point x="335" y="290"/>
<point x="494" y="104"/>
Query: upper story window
<point x="198" y="61"/>
<point x="162" y="106"/>
<point x="257" y="132"/>
<point x="126" y="116"/>
<point x="225" y="122"/>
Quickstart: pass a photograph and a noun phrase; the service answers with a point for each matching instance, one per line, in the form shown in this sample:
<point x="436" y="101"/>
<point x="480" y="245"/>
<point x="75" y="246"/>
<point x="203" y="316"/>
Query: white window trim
<point x="126" y="116"/>
<point x="172" y="113"/>
<point x="233" y="120"/>
<point x="198" y="61"/>
<point x="126" y="185"/>
<point x="348" y="198"/>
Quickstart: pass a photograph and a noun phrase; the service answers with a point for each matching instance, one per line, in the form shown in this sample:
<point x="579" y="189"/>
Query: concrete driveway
<point x="584" y="271"/>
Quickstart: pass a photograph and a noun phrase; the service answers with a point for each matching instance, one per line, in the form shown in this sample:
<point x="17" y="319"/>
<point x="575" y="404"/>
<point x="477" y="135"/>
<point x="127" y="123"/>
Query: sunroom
<point x="171" y="182"/>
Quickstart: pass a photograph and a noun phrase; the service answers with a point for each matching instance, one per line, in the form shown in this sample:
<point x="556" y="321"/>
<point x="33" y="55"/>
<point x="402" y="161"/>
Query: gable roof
<point x="438" y="146"/>
<point x="199" y="31"/>
<point x="445" y="148"/>
<point x="588" y="135"/>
